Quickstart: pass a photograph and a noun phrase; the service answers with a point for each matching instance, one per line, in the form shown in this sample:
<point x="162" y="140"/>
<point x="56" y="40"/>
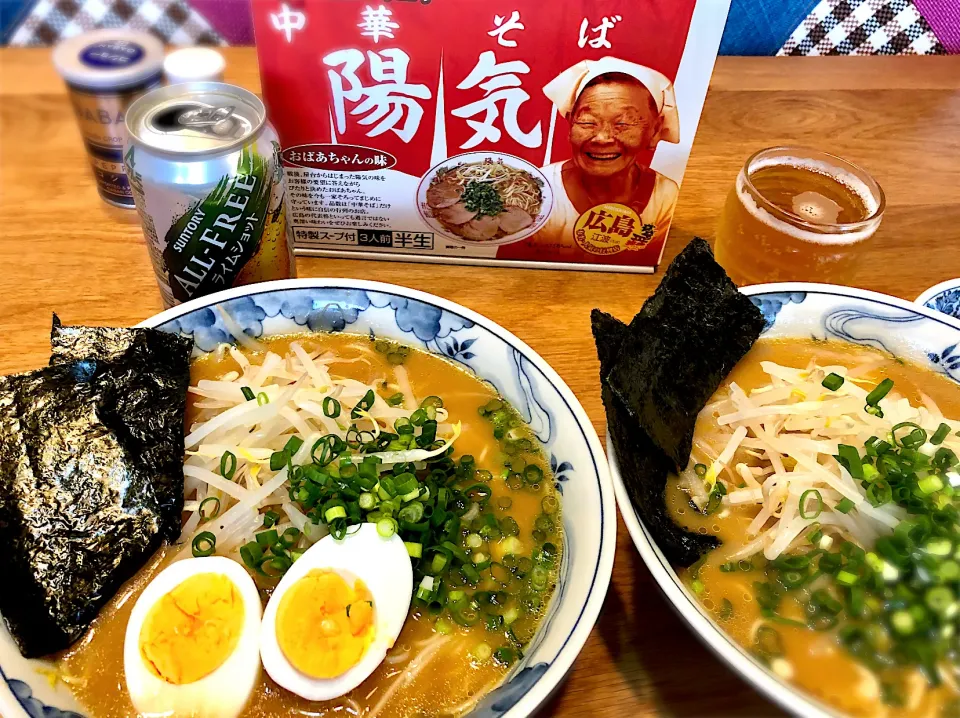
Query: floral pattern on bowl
<point x="817" y="311"/>
<point x="944" y="297"/>
<point x="480" y="347"/>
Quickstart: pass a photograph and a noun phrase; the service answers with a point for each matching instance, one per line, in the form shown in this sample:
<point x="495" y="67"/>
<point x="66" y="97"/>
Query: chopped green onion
<point x="874" y="410"/>
<point x="278" y="459"/>
<point x="844" y="505"/>
<point x="262" y="398"/>
<point x="700" y="470"/>
<point x="204" y="544"/>
<point x="367" y="501"/>
<point x="228" y="465"/>
<point x="811" y="493"/>
<point x="293" y="445"/>
<point x="334" y="513"/>
<point x="940" y="434"/>
<point x="504" y="656"/>
<point x="331" y="407"/>
<point x="266" y="539"/>
<point x="532" y="474"/>
<point x="916" y="438"/>
<point x="395" y="400"/>
<point x="879" y="392"/>
<point x="270" y="518"/>
<point x="247" y="393"/>
<point x="902" y="622"/>
<point x="386" y="527"/>
<point x="929" y="484"/>
<point x="849" y="457"/>
<point x="846" y="578"/>
<point x="414" y="549"/>
<point x="363" y="405"/>
<point x="832" y="381"/>
<point x="251" y="554"/>
<point x="209" y="508"/>
<point x="879" y="493"/>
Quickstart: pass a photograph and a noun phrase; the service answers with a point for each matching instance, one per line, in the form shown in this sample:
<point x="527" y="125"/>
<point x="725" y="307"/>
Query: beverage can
<point x="204" y="167"/>
<point x="105" y="72"/>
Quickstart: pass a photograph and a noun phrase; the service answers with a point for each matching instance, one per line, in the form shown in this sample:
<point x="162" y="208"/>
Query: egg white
<point x="223" y="693"/>
<point x="384" y="566"/>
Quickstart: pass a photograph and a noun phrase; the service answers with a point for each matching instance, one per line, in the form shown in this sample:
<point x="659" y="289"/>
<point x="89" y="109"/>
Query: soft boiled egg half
<point x="191" y="647"/>
<point x="336" y="613"/>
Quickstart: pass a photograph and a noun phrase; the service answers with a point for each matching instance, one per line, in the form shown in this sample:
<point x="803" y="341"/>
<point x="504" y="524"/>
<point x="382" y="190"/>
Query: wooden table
<point x="62" y="249"/>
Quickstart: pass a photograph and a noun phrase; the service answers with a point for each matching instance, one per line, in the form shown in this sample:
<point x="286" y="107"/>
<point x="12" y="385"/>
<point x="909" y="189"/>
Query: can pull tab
<point x="205" y="116"/>
<point x="218" y="121"/>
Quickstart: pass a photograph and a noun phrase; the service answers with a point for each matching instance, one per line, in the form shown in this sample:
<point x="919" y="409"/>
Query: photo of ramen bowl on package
<point x="483" y="198"/>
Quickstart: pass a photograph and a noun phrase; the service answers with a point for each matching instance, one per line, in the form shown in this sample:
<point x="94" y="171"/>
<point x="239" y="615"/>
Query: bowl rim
<point x="549" y="681"/>
<point x="778" y="690"/>
<point x="936" y="290"/>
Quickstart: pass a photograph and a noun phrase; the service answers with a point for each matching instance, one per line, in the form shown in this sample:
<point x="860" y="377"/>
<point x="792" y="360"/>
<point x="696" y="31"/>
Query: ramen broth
<point x="813" y="660"/>
<point x="426" y="673"/>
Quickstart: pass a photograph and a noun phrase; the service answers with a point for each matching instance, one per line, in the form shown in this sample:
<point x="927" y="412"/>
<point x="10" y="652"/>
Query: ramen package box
<point x="515" y="132"/>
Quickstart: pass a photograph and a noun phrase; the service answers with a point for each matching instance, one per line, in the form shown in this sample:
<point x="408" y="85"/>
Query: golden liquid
<point x="821" y="666"/>
<point x="440" y="678"/>
<point x="754" y="246"/>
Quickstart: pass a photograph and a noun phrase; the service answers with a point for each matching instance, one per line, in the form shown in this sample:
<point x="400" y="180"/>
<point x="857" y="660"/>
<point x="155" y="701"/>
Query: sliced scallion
<point x="228" y="465"/>
<point x="810" y="494"/>
<point x="832" y="381"/>
<point x="845" y="505"/>
<point x="204" y="544"/>
<point x="209" y="508"/>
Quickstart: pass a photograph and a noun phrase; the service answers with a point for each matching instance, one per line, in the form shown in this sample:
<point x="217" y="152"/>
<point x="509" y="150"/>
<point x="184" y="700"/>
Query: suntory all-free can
<point x="204" y="166"/>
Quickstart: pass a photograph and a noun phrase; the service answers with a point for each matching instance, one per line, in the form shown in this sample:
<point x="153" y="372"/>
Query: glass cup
<point x="797" y="214"/>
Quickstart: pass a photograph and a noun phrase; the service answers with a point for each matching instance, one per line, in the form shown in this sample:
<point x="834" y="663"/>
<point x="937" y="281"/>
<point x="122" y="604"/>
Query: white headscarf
<point x="566" y="87"/>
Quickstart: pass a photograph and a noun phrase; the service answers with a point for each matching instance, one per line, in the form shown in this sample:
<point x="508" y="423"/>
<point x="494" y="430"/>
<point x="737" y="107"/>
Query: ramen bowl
<point x="799" y="310"/>
<point x="520" y="176"/>
<point x="478" y="346"/>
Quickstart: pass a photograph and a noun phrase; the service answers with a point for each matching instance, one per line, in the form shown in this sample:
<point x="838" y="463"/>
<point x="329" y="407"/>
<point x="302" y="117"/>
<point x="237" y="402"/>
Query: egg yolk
<point x="193" y="629"/>
<point x="324" y="625"/>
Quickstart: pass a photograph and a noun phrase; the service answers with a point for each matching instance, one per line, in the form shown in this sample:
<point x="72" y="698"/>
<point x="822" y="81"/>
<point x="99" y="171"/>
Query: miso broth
<point x="815" y="660"/>
<point x="437" y="667"/>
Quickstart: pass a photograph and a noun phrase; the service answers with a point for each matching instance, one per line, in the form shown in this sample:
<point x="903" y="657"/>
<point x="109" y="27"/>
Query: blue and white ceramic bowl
<point x="822" y="311"/>
<point x="479" y="346"/>
<point x="944" y="297"/>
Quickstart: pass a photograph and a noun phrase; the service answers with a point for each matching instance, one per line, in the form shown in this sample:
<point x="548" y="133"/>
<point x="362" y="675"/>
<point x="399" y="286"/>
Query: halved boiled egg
<point x="336" y="613"/>
<point x="191" y="647"/>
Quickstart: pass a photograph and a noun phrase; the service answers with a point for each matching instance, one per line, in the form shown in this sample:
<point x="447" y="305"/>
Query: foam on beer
<point x="848" y="179"/>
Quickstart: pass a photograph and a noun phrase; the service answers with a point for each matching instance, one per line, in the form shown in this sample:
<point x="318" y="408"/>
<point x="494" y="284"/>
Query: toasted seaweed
<point x="643" y="466"/>
<point x="659" y="372"/>
<point x="152" y="411"/>
<point x="90" y="459"/>
<point x="685" y="340"/>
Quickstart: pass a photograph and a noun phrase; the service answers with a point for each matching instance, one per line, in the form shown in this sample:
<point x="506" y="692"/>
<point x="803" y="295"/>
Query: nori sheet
<point x="152" y="410"/>
<point x="643" y="466"/>
<point x="687" y="337"/>
<point x="85" y="484"/>
<point x="659" y="372"/>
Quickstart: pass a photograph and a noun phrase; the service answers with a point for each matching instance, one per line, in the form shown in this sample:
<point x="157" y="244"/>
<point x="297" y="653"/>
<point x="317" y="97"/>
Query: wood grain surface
<point x="62" y="249"/>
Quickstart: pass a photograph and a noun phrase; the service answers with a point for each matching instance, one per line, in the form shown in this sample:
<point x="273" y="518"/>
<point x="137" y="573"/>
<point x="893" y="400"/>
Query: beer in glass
<point x="797" y="215"/>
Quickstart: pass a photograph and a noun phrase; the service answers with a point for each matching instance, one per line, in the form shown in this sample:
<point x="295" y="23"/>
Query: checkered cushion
<point x="863" y="27"/>
<point x="173" y="21"/>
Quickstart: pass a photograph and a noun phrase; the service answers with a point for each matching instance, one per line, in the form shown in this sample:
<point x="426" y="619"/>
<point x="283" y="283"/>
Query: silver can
<point x="205" y="170"/>
<point x="106" y="71"/>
